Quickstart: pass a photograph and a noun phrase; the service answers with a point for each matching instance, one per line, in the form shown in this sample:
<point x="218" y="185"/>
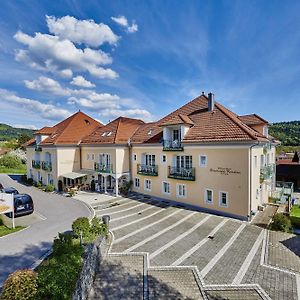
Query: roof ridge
<point x="119" y="121"/>
<point x="225" y="111"/>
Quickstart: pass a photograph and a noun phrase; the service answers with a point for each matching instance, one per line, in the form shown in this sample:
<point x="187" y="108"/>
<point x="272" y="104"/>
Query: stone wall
<point x="93" y="255"/>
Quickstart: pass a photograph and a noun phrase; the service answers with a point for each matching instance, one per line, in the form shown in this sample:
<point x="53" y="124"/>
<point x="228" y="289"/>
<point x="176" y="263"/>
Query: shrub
<point x="295" y="215"/>
<point x="1" y="223"/>
<point x="30" y="181"/>
<point x="49" y="188"/>
<point x="98" y="228"/>
<point x="63" y="244"/>
<point x="24" y="178"/>
<point x="81" y="225"/>
<point x="38" y="184"/>
<point x="281" y="222"/>
<point x="20" y="285"/>
<point x="71" y="193"/>
<point x="10" y="161"/>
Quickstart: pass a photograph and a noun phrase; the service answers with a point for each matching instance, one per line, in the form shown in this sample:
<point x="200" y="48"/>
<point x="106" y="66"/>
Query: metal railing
<point x="147" y="170"/>
<point x="172" y="145"/>
<point x="181" y="173"/>
<point x="36" y="164"/>
<point x="267" y="172"/>
<point x="47" y="165"/>
<point x="105" y="168"/>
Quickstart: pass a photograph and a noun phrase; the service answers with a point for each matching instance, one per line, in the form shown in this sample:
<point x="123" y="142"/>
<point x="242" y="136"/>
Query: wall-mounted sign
<point x="224" y="171"/>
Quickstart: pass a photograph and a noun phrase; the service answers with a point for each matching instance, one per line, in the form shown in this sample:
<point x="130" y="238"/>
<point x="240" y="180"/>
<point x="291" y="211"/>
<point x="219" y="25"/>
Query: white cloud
<point x="47" y="111"/>
<point x="131" y="113"/>
<point x="81" y="31"/>
<point x="27" y="126"/>
<point x="122" y="21"/>
<point x="66" y="73"/>
<point x="48" y="53"/>
<point x="81" y="81"/>
<point x="45" y="84"/>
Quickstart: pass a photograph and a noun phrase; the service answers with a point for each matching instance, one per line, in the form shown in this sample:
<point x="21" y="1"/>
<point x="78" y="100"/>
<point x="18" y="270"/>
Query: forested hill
<point x="287" y="132"/>
<point x="8" y="132"/>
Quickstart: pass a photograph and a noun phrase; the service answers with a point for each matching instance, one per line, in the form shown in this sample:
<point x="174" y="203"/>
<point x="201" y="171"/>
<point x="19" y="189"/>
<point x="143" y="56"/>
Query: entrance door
<point x="60" y="186"/>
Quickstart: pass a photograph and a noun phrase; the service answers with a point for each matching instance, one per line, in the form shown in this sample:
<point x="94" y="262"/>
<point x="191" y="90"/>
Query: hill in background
<point x="8" y="133"/>
<point x="287" y="132"/>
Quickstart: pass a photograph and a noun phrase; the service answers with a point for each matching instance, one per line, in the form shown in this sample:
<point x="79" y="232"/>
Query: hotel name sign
<point x="224" y="171"/>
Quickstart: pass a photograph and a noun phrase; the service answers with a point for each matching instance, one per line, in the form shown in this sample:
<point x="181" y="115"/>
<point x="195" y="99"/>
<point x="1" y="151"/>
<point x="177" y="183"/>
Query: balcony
<point x="181" y="173"/>
<point x="267" y="172"/>
<point x="36" y="164"/>
<point x="147" y="170"/>
<point x="47" y="166"/>
<point x="104" y="168"/>
<point x="38" y="148"/>
<point x="169" y="145"/>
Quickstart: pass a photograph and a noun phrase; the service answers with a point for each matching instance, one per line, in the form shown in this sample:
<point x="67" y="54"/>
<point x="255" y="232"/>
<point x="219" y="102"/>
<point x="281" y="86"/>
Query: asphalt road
<point x="22" y="249"/>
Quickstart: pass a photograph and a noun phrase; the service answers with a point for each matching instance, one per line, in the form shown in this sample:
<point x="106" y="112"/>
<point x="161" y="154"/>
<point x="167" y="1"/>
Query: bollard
<point x="105" y="220"/>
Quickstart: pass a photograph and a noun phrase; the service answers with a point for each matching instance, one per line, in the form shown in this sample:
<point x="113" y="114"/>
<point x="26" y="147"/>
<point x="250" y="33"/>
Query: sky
<point x="144" y="59"/>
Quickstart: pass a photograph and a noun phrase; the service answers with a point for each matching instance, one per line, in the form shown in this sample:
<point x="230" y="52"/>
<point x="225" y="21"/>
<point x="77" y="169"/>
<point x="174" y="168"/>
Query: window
<point x="208" y="196"/>
<point x="134" y="157"/>
<point x="104" y="159"/>
<point x="184" y="161"/>
<point x="163" y="159"/>
<point x="262" y="161"/>
<point x="166" y="187"/>
<point x="176" y="135"/>
<point x="148" y="184"/>
<point x="88" y="156"/>
<point x="93" y="156"/>
<point x="181" y="190"/>
<point x="149" y="160"/>
<point x="255" y="161"/>
<point x="203" y="160"/>
<point x="137" y="182"/>
<point x="223" y="198"/>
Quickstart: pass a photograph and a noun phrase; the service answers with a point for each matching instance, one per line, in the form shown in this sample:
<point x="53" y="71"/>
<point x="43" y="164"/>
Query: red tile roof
<point x="220" y="125"/>
<point x="118" y="131"/>
<point x="70" y="131"/>
<point x="253" y="119"/>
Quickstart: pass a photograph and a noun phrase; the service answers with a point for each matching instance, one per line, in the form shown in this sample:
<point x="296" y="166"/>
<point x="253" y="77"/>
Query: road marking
<point x="126" y="209"/>
<point x="41" y="216"/>
<point x="106" y="201"/>
<point x="181" y="236"/>
<point x="159" y="233"/>
<point x="198" y="245"/>
<point x="217" y="257"/>
<point x="133" y="214"/>
<point x="124" y="237"/>
<point x="245" y="266"/>
<point x="136" y="221"/>
<point x="114" y="206"/>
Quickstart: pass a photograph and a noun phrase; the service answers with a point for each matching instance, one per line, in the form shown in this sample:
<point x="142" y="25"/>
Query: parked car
<point x="10" y="190"/>
<point x="1" y="186"/>
<point x="23" y="205"/>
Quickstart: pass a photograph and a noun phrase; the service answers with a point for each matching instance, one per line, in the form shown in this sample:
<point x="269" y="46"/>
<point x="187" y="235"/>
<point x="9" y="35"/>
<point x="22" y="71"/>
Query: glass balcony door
<point x="183" y="162"/>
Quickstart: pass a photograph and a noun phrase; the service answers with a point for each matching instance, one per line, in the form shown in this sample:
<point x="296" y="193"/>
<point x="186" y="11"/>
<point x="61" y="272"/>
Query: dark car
<point x="10" y="190"/>
<point x="1" y="186"/>
<point x="23" y="205"/>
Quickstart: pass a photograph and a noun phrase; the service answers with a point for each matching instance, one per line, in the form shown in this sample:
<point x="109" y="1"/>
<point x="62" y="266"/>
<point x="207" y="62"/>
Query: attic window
<point x="87" y="122"/>
<point x="104" y="134"/>
<point x="150" y="132"/>
<point x="109" y="134"/>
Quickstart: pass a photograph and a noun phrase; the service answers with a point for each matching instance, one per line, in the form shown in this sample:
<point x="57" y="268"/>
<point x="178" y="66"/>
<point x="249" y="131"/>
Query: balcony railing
<point x="147" y="170"/>
<point x="267" y="172"/>
<point x="181" y="173"/>
<point x="36" y="164"/>
<point x="47" y="166"/>
<point x="38" y="148"/>
<point x="169" y="145"/>
<point x="104" y="168"/>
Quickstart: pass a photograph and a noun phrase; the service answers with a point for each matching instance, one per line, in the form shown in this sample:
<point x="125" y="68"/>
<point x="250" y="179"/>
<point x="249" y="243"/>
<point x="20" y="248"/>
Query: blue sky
<point x="146" y="58"/>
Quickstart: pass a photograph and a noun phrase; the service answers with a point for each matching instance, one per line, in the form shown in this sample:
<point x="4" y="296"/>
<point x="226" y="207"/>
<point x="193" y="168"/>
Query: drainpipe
<point x="130" y="158"/>
<point x="250" y="208"/>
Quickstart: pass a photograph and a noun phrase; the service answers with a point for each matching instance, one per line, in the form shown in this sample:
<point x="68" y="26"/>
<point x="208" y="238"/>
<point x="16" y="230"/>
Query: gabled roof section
<point x="69" y="131"/>
<point x="119" y="131"/>
<point x="148" y="133"/>
<point x="252" y="119"/>
<point x="177" y="120"/>
<point x="45" y="131"/>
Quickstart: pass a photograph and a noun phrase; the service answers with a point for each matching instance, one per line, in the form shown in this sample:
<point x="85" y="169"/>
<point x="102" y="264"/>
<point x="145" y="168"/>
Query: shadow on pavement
<point x="293" y="244"/>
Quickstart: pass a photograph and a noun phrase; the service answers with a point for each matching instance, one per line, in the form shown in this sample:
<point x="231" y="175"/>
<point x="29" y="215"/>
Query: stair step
<point x="175" y="283"/>
<point x="119" y="277"/>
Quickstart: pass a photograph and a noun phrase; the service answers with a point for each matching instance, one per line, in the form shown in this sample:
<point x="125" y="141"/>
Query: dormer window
<point x="150" y="132"/>
<point x="87" y="122"/>
<point x="104" y="134"/>
<point x="109" y="133"/>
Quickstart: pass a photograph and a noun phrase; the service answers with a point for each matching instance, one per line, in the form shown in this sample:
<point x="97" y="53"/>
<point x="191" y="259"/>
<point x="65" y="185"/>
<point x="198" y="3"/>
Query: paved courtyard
<point x="194" y="255"/>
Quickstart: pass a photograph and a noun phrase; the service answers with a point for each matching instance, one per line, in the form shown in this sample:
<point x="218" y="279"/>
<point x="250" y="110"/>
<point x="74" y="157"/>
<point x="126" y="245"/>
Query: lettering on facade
<point x="224" y="171"/>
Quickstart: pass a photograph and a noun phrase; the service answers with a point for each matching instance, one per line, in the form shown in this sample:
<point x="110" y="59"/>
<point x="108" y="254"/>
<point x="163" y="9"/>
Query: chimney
<point x="211" y="101"/>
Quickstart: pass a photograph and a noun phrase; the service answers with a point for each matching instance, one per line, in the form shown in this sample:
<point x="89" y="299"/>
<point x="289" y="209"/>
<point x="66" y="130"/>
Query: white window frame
<point x="255" y="161"/>
<point x="177" y="190"/>
<point x="87" y="156"/>
<point x="163" y="190"/>
<point x="135" y="181"/>
<point x="134" y="157"/>
<point x="220" y="199"/>
<point x="92" y="156"/>
<point x="200" y="164"/>
<point x="206" y="198"/>
<point x="145" y="184"/>
<point x="162" y="159"/>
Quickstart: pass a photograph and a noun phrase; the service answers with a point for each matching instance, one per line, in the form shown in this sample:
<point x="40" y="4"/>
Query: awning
<point x="78" y="174"/>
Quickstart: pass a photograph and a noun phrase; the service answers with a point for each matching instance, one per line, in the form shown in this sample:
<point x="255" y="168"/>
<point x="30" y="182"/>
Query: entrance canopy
<point x="78" y="174"/>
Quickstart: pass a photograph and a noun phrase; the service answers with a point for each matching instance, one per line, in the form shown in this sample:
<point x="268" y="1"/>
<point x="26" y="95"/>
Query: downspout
<point x="250" y="208"/>
<point x="130" y="158"/>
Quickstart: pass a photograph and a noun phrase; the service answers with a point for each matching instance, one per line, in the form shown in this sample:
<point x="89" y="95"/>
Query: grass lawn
<point x="295" y="215"/>
<point x="21" y="170"/>
<point x="5" y="230"/>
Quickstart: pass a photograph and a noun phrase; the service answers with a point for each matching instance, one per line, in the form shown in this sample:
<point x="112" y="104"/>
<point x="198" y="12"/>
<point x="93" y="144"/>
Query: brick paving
<point x="225" y="255"/>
